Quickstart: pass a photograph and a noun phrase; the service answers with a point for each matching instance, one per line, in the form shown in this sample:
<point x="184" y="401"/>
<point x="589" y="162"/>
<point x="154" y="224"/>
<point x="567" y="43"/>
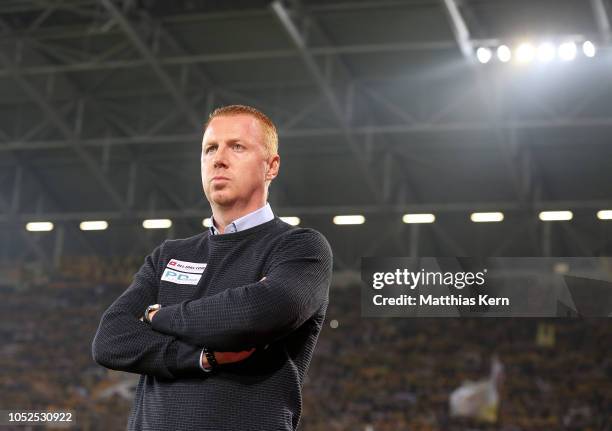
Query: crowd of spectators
<point x="397" y="374"/>
<point x="369" y="374"/>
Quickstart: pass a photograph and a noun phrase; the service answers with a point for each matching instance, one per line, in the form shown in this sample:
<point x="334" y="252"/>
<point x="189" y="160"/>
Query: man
<point x="222" y="325"/>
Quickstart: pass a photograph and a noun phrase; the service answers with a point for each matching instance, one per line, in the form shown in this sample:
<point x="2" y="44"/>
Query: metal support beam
<point x="173" y="116"/>
<point x="296" y="38"/>
<point x="283" y="16"/>
<point x="460" y="29"/>
<point x="104" y="113"/>
<point x="32" y="175"/>
<point x="304" y="112"/>
<point x="33" y="245"/>
<point x="198" y="71"/>
<point x="66" y="130"/>
<point x="229" y="57"/>
<point x="151" y="60"/>
<point x="12" y="217"/>
<point x="527" y="181"/>
<point x="131" y="189"/>
<point x="388" y="182"/>
<point x="449" y="126"/>
<point x="17" y="187"/>
<point x="139" y="165"/>
<point x="24" y="170"/>
<point x="602" y="20"/>
<point x="78" y="125"/>
<point x="45" y="124"/>
<point x="41" y="18"/>
<point x="388" y="209"/>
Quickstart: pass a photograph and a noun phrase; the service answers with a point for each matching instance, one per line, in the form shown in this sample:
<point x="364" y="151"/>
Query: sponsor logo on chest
<point x="182" y="272"/>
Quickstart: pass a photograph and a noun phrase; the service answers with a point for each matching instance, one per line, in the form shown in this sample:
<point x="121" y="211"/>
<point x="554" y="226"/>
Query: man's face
<point x="233" y="163"/>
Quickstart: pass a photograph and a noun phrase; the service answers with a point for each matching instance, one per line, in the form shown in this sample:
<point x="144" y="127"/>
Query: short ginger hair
<point x="269" y="129"/>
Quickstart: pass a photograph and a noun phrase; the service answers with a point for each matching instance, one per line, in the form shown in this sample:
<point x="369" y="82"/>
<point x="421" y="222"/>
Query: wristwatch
<point x="210" y="356"/>
<point x="149" y="309"/>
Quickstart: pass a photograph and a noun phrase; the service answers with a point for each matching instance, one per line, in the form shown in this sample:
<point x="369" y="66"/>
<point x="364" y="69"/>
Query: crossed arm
<point x="123" y="342"/>
<point x="239" y="318"/>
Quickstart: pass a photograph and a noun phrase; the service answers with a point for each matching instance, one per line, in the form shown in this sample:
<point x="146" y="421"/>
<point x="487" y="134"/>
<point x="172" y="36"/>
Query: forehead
<point x="238" y="126"/>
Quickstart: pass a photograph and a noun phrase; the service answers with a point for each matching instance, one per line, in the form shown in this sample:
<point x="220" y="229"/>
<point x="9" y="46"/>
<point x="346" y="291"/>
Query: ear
<point x="273" y="165"/>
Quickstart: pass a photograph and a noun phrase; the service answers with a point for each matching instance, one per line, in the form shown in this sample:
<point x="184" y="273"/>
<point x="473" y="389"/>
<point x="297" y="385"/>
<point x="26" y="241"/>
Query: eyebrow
<point x="229" y="141"/>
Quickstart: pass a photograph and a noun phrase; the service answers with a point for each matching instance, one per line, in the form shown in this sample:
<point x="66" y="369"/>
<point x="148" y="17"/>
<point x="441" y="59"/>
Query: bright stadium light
<point x="293" y="221"/>
<point x="207" y="222"/>
<point x="555" y="215"/>
<point x="483" y="55"/>
<point x="561" y="268"/>
<point x="162" y="223"/>
<point x="567" y="51"/>
<point x="588" y="48"/>
<point x="525" y="53"/>
<point x="94" y="225"/>
<point x="504" y="54"/>
<point x="546" y="52"/>
<point x="487" y="217"/>
<point x="418" y="218"/>
<point x="604" y="215"/>
<point x="40" y="226"/>
<point x="349" y="219"/>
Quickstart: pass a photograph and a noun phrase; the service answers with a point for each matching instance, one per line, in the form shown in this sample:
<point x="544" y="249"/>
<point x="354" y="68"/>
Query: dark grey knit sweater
<point x="229" y="309"/>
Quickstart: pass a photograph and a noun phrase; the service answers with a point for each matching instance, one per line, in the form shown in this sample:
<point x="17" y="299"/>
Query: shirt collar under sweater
<point x="252" y="219"/>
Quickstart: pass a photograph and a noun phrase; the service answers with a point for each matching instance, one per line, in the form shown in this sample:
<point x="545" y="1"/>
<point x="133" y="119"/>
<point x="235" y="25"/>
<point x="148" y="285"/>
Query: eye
<point x="208" y="149"/>
<point x="237" y="147"/>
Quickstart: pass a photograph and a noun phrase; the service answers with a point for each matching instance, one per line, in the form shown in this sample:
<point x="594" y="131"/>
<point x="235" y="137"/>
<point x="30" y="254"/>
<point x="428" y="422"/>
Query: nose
<point x="220" y="159"/>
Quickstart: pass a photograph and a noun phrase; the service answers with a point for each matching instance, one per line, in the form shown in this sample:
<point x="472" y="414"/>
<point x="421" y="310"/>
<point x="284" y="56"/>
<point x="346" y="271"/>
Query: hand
<point x="228" y="357"/>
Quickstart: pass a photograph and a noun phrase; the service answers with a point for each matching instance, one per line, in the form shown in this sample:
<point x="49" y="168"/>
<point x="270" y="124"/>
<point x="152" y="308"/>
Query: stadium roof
<point x="382" y="110"/>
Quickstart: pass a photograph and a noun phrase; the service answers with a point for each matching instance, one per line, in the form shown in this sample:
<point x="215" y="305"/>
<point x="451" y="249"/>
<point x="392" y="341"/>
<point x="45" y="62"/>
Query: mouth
<point x="220" y="179"/>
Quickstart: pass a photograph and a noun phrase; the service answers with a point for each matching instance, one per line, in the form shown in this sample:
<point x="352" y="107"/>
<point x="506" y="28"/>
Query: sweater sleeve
<point x="125" y="343"/>
<point x="296" y="286"/>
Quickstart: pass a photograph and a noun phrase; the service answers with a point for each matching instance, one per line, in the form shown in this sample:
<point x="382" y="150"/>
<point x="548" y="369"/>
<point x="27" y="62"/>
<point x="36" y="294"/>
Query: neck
<point x="224" y="216"/>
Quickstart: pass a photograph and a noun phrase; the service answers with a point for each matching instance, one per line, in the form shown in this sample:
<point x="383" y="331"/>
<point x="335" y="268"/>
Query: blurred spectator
<point x="371" y="374"/>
